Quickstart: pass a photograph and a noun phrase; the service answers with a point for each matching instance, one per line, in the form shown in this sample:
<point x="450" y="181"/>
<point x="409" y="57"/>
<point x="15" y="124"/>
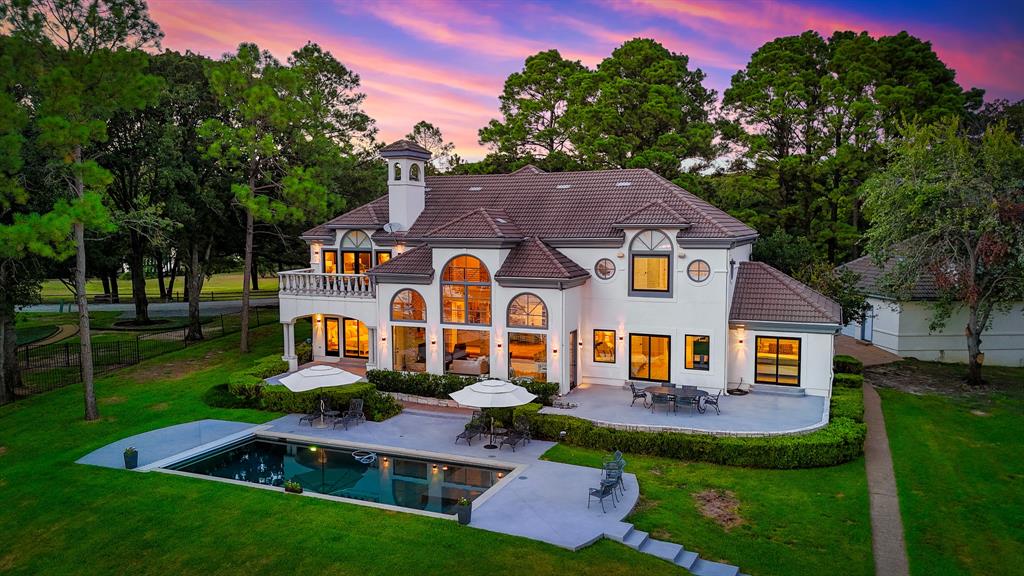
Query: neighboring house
<point x="578" y="277"/>
<point x="904" y="328"/>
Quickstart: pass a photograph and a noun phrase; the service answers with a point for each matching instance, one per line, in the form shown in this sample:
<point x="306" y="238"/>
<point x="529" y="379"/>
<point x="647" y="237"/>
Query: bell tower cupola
<point x="407" y="182"/>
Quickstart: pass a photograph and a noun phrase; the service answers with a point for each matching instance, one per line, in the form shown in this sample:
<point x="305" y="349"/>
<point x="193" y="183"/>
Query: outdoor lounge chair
<point x="607" y="490"/>
<point x="706" y="401"/>
<point x="473" y="429"/>
<point x="313" y="415"/>
<point x="511" y="439"/>
<point x="637" y="395"/>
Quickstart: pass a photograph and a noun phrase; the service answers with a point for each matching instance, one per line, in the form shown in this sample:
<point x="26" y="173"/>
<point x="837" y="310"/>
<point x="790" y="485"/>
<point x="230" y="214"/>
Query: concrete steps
<point x="669" y="551"/>
<point x="794" y="391"/>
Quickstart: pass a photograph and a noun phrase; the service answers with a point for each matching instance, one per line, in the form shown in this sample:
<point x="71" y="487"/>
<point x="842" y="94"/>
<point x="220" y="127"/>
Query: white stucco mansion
<point x="581" y="277"/>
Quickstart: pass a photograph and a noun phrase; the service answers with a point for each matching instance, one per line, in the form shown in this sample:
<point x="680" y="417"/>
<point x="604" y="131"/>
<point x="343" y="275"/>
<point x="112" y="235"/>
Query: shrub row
<point x="845" y="364"/>
<point x="249" y="387"/>
<point x="840" y="441"/>
<point x="847" y="403"/>
<point x="304" y="352"/>
<point x="847" y="380"/>
<point x="440" y="386"/>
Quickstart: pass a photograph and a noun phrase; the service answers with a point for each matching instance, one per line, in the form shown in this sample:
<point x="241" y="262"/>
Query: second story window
<point x="465" y="292"/>
<point x="408" y="305"/>
<point x="356" y="253"/>
<point x="527" y="311"/>
<point x="650" y="260"/>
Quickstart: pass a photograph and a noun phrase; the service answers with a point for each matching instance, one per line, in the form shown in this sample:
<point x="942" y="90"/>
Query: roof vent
<point x="621" y="184"/>
<point x="501" y="221"/>
<point x="475" y="188"/>
<point x="563" y="186"/>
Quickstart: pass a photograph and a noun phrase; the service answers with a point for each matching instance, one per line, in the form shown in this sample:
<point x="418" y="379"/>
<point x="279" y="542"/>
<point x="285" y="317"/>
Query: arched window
<point x="408" y="305"/>
<point x="650" y="256"/>
<point x="356" y="254"/>
<point x="398" y="171"/>
<point x="465" y="292"/>
<point x="414" y="173"/>
<point x="527" y="311"/>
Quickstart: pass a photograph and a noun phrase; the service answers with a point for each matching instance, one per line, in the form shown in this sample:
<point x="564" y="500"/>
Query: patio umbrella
<point x="492" y="394"/>
<point x="317" y="378"/>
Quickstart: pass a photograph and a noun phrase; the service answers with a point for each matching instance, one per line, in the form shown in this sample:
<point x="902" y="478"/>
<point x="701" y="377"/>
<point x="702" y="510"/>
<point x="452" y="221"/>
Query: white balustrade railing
<point x="306" y="282"/>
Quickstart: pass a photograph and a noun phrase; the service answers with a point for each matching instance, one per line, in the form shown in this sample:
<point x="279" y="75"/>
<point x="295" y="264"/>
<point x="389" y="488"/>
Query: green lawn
<point x="53" y="290"/>
<point x="64" y="518"/>
<point x="30" y="334"/>
<point x="960" y="475"/>
<point x="794" y="522"/>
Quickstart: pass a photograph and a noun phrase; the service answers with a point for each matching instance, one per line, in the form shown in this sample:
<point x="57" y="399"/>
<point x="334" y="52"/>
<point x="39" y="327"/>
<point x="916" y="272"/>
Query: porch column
<point x="371" y="360"/>
<point x="289" y="346"/>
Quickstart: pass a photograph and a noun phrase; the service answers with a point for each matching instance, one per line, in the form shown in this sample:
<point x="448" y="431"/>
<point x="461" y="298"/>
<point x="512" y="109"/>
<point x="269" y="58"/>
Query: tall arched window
<point x="398" y="171"/>
<point x="408" y="305"/>
<point x="527" y="311"/>
<point x="414" y="173"/>
<point x="650" y="256"/>
<point x="356" y="252"/>
<point x="465" y="292"/>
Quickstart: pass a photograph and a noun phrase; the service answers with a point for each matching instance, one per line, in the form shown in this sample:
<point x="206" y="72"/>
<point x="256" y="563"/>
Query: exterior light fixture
<point x="445" y="468"/>
<point x="581" y="343"/>
<point x="501" y="474"/>
<point x="554" y="351"/>
<point x="384" y="460"/>
<point x="499" y="345"/>
<point x="383" y="338"/>
<point x="433" y="341"/>
<point x="435" y="468"/>
<point x="312" y="448"/>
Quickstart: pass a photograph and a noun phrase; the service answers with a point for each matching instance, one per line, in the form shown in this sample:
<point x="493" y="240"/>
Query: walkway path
<point x="63" y="331"/>
<point x="867" y="353"/>
<point x="886" y="524"/>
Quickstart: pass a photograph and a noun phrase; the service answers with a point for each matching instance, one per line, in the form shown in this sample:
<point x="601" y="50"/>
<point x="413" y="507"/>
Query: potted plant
<point x="292" y="487"/>
<point x="464" y="508"/>
<point x="131" y="458"/>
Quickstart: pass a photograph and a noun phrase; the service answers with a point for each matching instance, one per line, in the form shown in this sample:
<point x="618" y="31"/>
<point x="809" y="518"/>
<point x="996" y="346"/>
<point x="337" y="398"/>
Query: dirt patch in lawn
<point x="113" y="400"/>
<point x="720" y="506"/>
<point x="917" y="377"/>
<point x="176" y="370"/>
<point x="160" y="406"/>
<point x="3" y="450"/>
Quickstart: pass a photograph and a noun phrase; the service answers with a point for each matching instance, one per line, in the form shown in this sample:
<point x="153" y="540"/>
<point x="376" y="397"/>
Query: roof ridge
<point x="802" y="288"/>
<point x="548" y="251"/>
<point x="657" y="202"/>
<point x="683" y="195"/>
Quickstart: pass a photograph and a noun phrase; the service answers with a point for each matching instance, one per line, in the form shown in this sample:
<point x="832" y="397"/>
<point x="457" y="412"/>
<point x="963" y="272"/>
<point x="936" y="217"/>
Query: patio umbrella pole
<point x="492" y="445"/>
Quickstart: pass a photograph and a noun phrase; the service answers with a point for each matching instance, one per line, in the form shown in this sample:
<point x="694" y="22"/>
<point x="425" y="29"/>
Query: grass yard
<point x="787" y="523"/>
<point x="960" y="473"/>
<point x="53" y="290"/>
<point x="64" y="518"/>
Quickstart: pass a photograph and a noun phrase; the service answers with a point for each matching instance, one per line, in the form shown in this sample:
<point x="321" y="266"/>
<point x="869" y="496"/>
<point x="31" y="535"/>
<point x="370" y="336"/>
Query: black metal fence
<point x="52" y="366"/>
<point x="176" y="296"/>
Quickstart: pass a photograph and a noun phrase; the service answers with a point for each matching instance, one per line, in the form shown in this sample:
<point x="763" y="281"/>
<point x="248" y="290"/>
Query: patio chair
<point x="662" y="400"/>
<point x="344" y="420"/>
<point x="522" y="427"/>
<point x="355" y="410"/>
<point x="607" y="490"/>
<point x="473" y="429"/>
<point x="637" y="395"/>
<point x="615" y="470"/>
<point x="615" y="457"/>
<point x="688" y="401"/>
<point x="313" y="415"/>
<point x="706" y="401"/>
<point x="511" y="439"/>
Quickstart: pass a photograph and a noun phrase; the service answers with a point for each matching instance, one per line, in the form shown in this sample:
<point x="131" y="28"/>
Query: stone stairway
<point x="777" y="390"/>
<point x="669" y="552"/>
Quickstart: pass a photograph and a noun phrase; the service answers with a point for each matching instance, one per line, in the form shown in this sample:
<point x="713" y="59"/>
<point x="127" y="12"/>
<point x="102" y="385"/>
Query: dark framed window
<point x="528" y="355"/>
<point x="698" y="270"/>
<point x="778" y="360"/>
<point x="356" y="253"/>
<point x="330" y="261"/>
<point x="650" y="262"/>
<point x="650" y="357"/>
<point x="604" y="346"/>
<point x="381" y="257"/>
<point x="465" y="292"/>
<point x="698" y="352"/>
<point x="604" y="268"/>
<point x="409" y="348"/>
<point x="527" y="311"/>
<point x="357" y="338"/>
<point x="408" y="306"/>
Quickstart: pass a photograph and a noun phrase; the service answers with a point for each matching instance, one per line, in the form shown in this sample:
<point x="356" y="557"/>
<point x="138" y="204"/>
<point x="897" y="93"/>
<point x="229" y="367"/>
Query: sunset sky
<point x="445" y="61"/>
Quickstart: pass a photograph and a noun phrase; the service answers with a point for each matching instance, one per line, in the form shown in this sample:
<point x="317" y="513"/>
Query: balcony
<point x="306" y="282"/>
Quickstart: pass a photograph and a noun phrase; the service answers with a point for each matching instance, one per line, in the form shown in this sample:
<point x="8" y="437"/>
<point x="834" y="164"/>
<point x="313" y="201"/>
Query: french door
<point x="574" y="359"/>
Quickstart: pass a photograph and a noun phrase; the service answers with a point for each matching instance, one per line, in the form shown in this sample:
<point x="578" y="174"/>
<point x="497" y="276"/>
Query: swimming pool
<point x="391" y="479"/>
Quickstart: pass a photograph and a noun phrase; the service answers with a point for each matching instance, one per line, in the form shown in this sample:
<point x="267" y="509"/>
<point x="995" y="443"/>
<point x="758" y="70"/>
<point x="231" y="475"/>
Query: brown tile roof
<point x="320" y="232"/>
<point x="764" y="293"/>
<point x="871" y="275"/>
<point x="528" y="169"/>
<point x="532" y="258"/>
<point x="404" y="146"/>
<point x="416" y="261"/>
<point x="373" y="214"/>
<point x="654" y="213"/>
<point x="479" y="223"/>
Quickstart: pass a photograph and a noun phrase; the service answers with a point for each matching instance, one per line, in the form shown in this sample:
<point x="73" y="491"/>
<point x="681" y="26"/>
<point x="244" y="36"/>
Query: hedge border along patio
<point x="441" y="385"/>
<point x="846" y="364"/>
<point x="248" y="386"/>
<point x="842" y="440"/>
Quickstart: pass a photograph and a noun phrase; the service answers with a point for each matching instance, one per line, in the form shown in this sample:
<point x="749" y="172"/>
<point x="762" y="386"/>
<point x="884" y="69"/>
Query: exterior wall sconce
<point x="554" y="351"/>
<point x="435" y="468"/>
<point x="445" y="468"/>
<point x="433" y="341"/>
<point x="384" y="460"/>
<point x="499" y="345"/>
<point x="383" y="338"/>
<point x="741" y="340"/>
<point x="501" y="474"/>
<point x="581" y="343"/>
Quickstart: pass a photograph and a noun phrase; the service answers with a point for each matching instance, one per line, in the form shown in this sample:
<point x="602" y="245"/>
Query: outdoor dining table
<point x="691" y="392"/>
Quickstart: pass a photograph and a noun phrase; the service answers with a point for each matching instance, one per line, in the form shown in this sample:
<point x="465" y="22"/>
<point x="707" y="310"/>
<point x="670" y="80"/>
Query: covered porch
<point x="759" y="413"/>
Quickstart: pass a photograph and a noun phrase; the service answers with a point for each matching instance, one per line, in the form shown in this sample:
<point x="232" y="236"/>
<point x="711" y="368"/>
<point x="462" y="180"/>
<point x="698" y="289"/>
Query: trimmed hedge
<point x="847" y="403"/>
<point x="845" y="364"/>
<point x="304" y="352"/>
<point x="440" y="386"/>
<point x="848" y="381"/>
<point x="842" y="440"/>
<point x="249" y="387"/>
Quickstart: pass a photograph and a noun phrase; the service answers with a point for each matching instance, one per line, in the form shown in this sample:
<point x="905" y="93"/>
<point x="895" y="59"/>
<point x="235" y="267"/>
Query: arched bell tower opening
<point x="407" y="186"/>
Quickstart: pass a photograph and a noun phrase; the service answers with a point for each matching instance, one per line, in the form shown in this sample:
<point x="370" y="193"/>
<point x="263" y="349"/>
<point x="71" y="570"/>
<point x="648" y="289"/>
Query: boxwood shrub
<point x="249" y="387"/>
<point x="847" y="403"/>
<point x="440" y="386"/>
<point x="847" y="381"/>
<point x="842" y="440"/>
<point x="845" y="364"/>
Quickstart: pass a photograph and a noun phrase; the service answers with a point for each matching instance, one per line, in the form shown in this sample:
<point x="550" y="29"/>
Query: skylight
<point x="620" y="184"/>
<point x="562" y="186"/>
<point x="475" y="188"/>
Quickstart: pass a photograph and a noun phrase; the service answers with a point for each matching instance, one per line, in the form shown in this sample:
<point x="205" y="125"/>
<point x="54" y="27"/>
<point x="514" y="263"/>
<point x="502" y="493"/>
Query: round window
<point x="698" y="270"/>
<point x="604" y="268"/>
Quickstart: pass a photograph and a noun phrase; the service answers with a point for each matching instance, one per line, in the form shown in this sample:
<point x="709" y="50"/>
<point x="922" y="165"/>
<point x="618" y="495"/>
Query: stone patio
<point x="759" y="413"/>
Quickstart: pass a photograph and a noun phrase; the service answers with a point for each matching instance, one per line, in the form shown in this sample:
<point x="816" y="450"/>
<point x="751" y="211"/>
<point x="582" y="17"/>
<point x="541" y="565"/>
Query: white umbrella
<point x="319" y="376"/>
<point x="493" y="394"/>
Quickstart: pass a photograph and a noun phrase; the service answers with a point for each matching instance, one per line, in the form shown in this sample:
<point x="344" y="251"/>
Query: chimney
<point x="407" y="183"/>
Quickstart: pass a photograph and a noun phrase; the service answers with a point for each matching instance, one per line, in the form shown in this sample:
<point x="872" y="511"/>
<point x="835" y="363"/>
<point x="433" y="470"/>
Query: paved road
<point x="159" y="309"/>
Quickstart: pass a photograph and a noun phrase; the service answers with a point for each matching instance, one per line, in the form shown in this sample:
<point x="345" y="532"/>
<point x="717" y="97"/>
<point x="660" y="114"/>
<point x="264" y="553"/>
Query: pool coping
<point x="260" y="432"/>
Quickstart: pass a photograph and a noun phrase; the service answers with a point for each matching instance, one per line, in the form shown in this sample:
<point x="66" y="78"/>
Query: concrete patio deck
<point x="157" y="445"/>
<point x="756" y="414"/>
